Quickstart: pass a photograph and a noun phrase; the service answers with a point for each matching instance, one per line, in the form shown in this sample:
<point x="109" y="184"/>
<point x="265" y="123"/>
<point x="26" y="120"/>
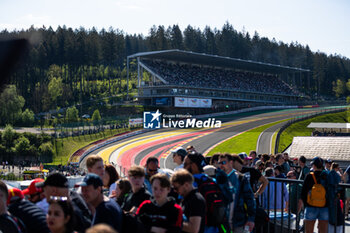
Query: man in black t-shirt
<point x="193" y="204"/>
<point x="106" y="210"/>
<point x="253" y="174"/>
<point x="136" y="175"/>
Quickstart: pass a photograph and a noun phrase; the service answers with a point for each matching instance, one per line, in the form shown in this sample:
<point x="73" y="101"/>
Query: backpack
<point x="317" y="195"/>
<point x="215" y="201"/>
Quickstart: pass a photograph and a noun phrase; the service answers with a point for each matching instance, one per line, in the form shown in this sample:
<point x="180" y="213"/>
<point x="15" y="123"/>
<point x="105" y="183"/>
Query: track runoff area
<point x="158" y="143"/>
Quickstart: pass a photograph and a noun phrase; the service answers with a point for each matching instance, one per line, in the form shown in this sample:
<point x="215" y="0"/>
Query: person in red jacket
<point x="161" y="213"/>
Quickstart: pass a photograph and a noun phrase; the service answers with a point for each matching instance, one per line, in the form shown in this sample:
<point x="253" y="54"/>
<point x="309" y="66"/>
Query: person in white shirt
<point x="178" y="157"/>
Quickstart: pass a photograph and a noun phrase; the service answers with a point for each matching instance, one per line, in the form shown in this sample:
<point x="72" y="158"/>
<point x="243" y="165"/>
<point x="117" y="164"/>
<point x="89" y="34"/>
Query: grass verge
<point x="65" y="147"/>
<point x="300" y="128"/>
<point x="243" y="142"/>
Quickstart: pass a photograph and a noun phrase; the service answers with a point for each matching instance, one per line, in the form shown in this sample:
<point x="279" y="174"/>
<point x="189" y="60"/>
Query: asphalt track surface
<point x="136" y="149"/>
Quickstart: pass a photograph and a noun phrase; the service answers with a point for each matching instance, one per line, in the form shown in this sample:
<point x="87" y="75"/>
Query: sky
<point x="324" y="25"/>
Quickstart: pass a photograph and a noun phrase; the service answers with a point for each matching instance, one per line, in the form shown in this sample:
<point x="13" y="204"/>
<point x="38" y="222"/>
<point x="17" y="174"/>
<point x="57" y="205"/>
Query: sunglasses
<point x="152" y="170"/>
<point x="223" y="162"/>
<point x="58" y="198"/>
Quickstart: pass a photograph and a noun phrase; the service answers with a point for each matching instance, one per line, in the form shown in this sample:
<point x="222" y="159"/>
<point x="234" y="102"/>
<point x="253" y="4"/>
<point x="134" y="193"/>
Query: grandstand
<point x="182" y="79"/>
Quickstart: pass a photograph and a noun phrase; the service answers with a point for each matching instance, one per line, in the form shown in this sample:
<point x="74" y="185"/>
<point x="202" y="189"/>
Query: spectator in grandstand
<point x="295" y="192"/>
<point x="30" y="214"/>
<point x="94" y="164"/>
<point x="33" y="193"/>
<point x="193" y="203"/>
<point x="178" y="157"/>
<point x="105" y="210"/>
<point x="161" y="213"/>
<point x="101" y="228"/>
<point x="109" y="178"/>
<point x="8" y="223"/>
<point x="304" y="170"/>
<point x="272" y="202"/>
<point x="56" y="184"/>
<point x="123" y="188"/>
<point x="214" y="160"/>
<point x="338" y="170"/>
<point x="151" y="168"/>
<point x="136" y="175"/>
<point x="226" y="164"/>
<point x="60" y="217"/>
<point x="254" y="176"/>
<point x="313" y="213"/>
<point x="287" y="160"/>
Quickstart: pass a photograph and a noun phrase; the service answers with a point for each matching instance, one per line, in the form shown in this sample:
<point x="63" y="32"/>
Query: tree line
<point x="69" y="66"/>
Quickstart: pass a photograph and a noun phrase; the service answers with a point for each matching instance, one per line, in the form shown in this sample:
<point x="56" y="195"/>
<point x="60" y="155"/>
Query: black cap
<point x="180" y="151"/>
<point x="317" y="161"/>
<point x="55" y="179"/>
<point x="198" y="159"/>
<point x="91" y="179"/>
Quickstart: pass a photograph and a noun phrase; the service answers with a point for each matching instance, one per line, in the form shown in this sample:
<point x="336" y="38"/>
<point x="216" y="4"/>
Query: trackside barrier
<point x="245" y="110"/>
<point x="286" y="218"/>
<point x="112" y="140"/>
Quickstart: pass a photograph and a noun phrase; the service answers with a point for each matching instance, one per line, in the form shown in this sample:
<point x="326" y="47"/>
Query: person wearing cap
<point x="259" y="165"/>
<point x="328" y="164"/>
<point x="312" y="213"/>
<point x="178" y="157"/>
<point x="30" y="214"/>
<point x="35" y="194"/>
<point x="56" y="184"/>
<point x="105" y="210"/>
<point x="8" y="223"/>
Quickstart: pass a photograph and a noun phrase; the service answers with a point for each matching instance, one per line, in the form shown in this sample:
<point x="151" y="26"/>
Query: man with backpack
<point x="313" y="196"/>
<point x="215" y="198"/>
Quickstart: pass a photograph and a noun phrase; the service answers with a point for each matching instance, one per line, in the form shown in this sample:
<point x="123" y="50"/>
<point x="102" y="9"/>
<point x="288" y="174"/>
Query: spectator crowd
<point x="195" y="76"/>
<point x="228" y="193"/>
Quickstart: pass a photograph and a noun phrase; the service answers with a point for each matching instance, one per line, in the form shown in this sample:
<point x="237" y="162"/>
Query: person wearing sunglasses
<point x="60" y="216"/>
<point x="193" y="203"/>
<point x="151" y="168"/>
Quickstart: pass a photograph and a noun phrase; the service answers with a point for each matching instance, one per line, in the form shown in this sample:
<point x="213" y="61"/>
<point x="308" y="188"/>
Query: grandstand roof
<point x="321" y="125"/>
<point x="215" y="60"/>
<point x="335" y="148"/>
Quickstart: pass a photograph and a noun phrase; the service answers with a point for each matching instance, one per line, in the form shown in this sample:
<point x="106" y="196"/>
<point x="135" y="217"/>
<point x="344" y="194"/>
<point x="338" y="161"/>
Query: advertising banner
<point x="193" y="102"/>
<point x="135" y="121"/>
<point x="181" y="102"/>
<point x="205" y="103"/>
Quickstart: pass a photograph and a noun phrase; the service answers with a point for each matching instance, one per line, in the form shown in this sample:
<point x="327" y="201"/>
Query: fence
<point x="291" y="220"/>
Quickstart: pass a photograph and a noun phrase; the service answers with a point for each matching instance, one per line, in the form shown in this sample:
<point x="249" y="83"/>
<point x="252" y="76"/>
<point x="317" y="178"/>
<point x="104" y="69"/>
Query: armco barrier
<point x="112" y="140"/>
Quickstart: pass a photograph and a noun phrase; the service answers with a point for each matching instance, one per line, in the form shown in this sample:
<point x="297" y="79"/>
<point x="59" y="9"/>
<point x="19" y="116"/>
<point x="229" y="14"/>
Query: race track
<point x="136" y="150"/>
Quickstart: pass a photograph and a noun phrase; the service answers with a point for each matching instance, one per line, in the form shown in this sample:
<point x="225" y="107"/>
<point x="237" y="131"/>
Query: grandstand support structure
<point x="170" y="78"/>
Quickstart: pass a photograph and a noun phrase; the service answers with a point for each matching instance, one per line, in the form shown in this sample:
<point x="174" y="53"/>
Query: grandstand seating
<point x="195" y="76"/>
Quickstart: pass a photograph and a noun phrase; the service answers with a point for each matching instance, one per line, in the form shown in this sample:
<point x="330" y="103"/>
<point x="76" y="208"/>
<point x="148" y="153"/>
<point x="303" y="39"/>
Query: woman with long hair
<point x="122" y="190"/>
<point x="60" y="217"/>
<point x="109" y="178"/>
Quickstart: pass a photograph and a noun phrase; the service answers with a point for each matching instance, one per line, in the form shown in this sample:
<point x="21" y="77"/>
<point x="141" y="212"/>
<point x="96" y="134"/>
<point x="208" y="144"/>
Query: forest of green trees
<point x="69" y="66"/>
